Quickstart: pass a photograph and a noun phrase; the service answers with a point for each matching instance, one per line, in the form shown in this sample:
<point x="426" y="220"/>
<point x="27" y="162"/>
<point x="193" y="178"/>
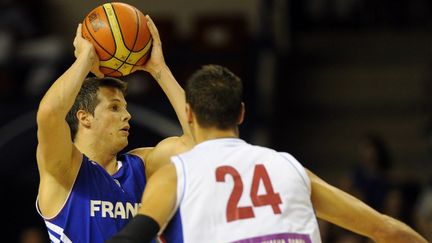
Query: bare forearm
<point x="157" y="67"/>
<point x="170" y="86"/>
<point x="346" y="211"/>
<point x="340" y="208"/>
<point x="173" y="91"/>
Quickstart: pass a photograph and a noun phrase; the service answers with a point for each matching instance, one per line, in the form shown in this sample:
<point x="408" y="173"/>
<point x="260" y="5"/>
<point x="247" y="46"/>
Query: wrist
<point x="157" y="71"/>
<point x="82" y="66"/>
<point x="87" y="56"/>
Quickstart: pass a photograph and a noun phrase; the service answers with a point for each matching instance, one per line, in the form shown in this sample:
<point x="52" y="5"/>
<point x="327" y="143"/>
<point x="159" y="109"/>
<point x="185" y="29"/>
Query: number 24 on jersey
<point x="270" y="198"/>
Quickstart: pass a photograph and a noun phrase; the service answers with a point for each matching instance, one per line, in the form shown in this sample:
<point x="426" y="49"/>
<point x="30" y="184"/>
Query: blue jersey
<point x="99" y="204"/>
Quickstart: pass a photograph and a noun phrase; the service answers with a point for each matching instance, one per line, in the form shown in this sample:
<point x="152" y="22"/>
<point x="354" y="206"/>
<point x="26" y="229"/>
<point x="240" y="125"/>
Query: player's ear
<point x="242" y="113"/>
<point x="83" y="118"/>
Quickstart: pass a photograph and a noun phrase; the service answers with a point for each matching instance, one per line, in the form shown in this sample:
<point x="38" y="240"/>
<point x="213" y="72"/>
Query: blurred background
<point x="343" y="85"/>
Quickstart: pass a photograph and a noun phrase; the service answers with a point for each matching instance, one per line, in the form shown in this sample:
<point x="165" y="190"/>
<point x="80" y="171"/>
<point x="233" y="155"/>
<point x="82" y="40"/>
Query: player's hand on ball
<point x="84" y="47"/>
<point x="156" y="60"/>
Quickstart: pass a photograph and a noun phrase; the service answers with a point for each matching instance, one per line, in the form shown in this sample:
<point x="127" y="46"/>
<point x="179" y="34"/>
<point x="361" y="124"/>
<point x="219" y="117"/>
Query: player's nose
<point x="126" y="116"/>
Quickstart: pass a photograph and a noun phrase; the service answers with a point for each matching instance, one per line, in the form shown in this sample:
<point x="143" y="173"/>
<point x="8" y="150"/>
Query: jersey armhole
<point x="181" y="180"/>
<point x="299" y="168"/>
<point x="181" y="186"/>
<point x="66" y="200"/>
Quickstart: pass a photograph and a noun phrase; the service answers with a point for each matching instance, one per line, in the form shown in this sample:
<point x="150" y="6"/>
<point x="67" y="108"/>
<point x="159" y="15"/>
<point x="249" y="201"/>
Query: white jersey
<point x="232" y="191"/>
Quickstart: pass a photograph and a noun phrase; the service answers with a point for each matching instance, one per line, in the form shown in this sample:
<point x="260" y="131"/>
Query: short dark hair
<point x="87" y="99"/>
<point x="215" y="96"/>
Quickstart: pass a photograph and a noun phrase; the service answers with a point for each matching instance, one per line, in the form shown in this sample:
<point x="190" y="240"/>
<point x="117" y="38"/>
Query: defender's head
<point x="214" y="95"/>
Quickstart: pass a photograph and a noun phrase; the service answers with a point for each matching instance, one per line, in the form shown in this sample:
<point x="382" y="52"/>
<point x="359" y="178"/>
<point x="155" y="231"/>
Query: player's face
<point x="111" y="118"/>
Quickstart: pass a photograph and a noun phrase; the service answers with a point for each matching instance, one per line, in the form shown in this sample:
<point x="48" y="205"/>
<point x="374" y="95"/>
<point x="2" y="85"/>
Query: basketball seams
<point x="145" y="47"/>
<point x="122" y="36"/>
<point x="112" y="29"/>
<point x="94" y="39"/>
<point x="138" y="32"/>
<point x="146" y="51"/>
<point x="97" y="43"/>
<point x="116" y="19"/>
<point x="118" y="58"/>
<point x="119" y="37"/>
<point x="137" y="29"/>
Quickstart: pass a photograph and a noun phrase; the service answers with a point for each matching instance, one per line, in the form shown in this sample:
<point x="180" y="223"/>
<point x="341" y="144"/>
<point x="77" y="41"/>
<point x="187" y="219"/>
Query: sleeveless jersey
<point x="232" y="191"/>
<point x="99" y="205"/>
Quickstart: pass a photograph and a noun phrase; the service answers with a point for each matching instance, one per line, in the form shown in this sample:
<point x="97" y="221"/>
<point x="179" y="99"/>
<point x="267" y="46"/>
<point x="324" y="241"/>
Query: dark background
<point x="319" y="76"/>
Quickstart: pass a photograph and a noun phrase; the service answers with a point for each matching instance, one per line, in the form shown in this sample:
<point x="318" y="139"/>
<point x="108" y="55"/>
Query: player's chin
<point x="123" y="143"/>
<point x="123" y="138"/>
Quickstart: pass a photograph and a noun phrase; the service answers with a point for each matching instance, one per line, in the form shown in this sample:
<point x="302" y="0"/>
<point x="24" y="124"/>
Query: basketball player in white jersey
<point x="88" y="191"/>
<point x="227" y="190"/>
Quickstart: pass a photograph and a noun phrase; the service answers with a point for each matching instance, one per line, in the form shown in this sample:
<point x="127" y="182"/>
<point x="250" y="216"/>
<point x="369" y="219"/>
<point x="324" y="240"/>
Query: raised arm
<point x="55" y="150"/>
<point x="346" y="211"/>
<point x="157" y="67"/>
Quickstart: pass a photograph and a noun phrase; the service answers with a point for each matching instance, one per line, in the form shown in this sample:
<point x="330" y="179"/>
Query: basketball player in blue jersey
<point x="227" y="190"/>
<point x="87" y="191"/>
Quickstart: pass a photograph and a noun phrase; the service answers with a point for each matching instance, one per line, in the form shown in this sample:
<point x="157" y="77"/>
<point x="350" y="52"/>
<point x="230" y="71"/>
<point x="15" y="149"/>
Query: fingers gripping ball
<point x="120" y="36"/>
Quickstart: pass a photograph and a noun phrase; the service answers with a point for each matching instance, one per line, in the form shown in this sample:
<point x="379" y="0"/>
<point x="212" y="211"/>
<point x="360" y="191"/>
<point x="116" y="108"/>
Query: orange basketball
<point x="120" y="36"/>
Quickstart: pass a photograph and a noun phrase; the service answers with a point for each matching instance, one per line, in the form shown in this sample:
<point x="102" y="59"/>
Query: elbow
<point x="47" y="112"/>
<point x="44" y="111"/>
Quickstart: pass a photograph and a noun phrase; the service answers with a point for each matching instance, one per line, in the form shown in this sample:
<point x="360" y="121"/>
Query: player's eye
<point x="115" y="108"/>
